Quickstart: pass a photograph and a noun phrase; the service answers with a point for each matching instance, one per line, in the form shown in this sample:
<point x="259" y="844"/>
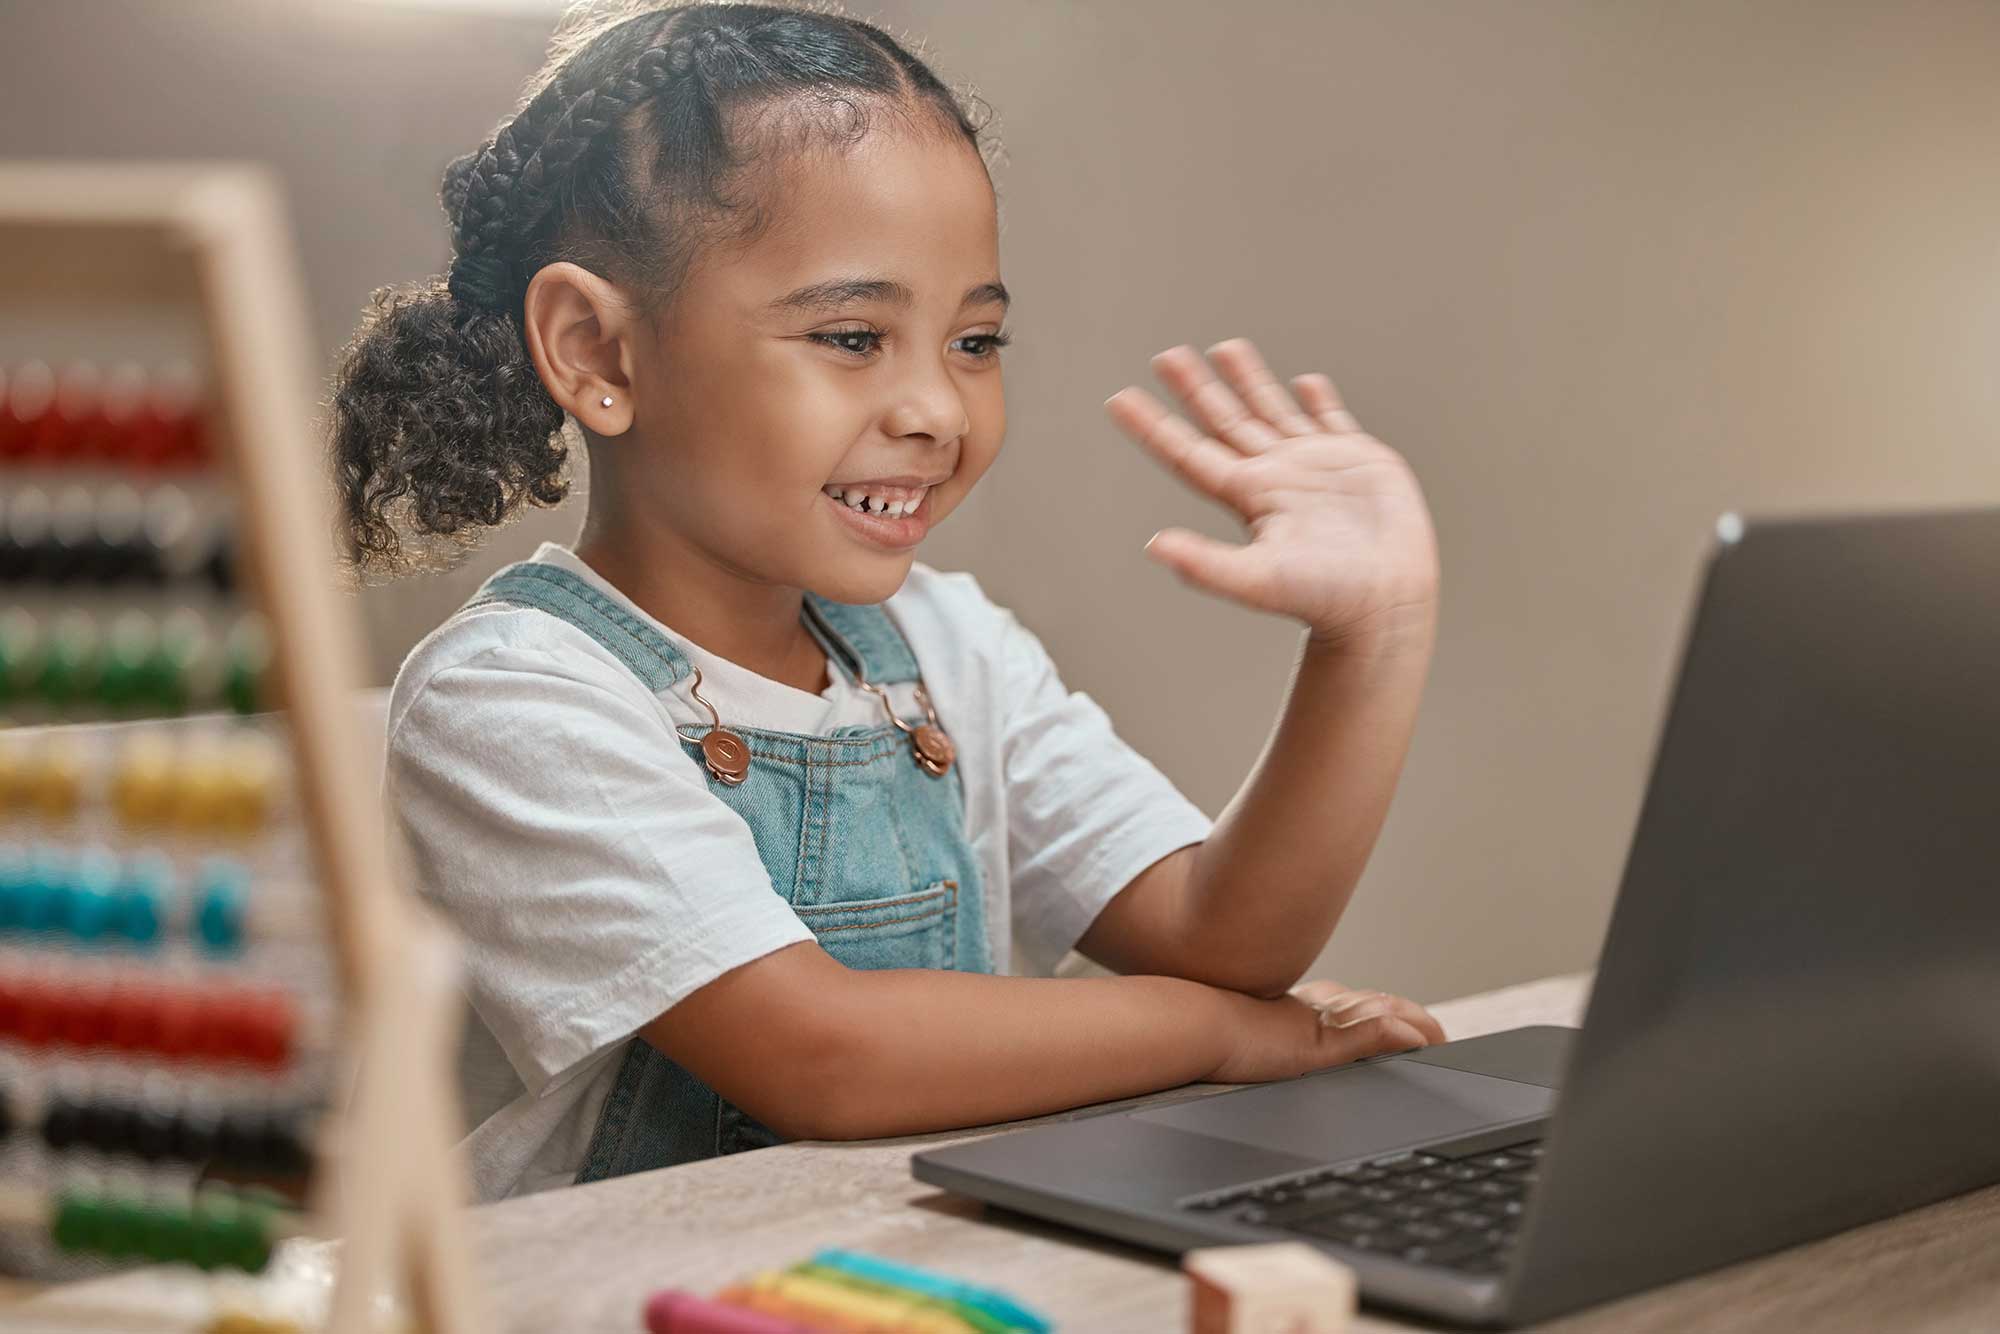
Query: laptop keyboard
<point x="1427" y="1206"/>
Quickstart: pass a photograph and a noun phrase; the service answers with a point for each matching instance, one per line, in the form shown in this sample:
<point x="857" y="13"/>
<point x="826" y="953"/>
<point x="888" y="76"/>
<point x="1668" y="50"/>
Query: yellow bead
<point x="200" y="794"/>
<point x="250" y="775"/>
<point x="14" y="762"/>
<point x="142" y="786"/>
<point x="56" y="780"/>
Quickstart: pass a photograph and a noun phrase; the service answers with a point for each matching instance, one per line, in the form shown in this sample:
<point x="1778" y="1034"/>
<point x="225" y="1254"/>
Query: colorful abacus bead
<point x="248" y="656"/>
<point x="142" y="779"/>
<point x="221" y="899"/>
<point x="141" y="895"/>
<point x="30" y="395"/>
<point x="69" y="662"/>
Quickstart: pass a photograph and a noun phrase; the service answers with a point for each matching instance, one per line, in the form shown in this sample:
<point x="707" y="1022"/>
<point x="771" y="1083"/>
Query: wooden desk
<point x="583" y="1259"/>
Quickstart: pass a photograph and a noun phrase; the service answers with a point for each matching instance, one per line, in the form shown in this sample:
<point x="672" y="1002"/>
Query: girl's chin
<point x="863" y="578"/>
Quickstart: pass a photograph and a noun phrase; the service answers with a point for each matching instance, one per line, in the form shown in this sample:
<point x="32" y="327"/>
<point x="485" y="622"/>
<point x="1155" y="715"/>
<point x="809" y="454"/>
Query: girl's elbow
<point x="824" y="1086"/>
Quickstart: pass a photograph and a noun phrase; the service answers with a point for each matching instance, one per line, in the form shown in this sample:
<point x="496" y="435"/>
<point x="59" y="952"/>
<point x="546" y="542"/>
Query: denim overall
<point x="869" y="850"/>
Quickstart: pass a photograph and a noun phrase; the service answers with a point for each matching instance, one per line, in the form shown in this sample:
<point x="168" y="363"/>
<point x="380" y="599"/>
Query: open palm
<point x="1340" y="537"/>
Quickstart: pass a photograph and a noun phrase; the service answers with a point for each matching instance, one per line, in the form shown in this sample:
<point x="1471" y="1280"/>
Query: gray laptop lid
<point x="1796" y="1026"/>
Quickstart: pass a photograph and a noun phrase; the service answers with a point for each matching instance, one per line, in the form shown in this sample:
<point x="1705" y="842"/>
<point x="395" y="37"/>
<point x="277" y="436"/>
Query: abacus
<point x="202" y="932"/>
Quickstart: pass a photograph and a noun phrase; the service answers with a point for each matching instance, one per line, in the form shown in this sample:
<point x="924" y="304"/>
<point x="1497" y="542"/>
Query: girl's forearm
<point x="927" y="1050"/>
<point x="1266" y="889"/>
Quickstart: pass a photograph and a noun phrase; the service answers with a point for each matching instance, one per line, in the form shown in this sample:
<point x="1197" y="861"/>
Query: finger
<point x="1377" y="1035"/>
<point x="1319" y="990"/>
<point x="1227" y="568"/>
<point x="1418" y="1018"/>
<point x="1243" y="367"/>
<point x="1209" y="466"/>
<point x="1355" y="1007"/>
<point x="1211" y="402"/>
<point x="1322" y="400"/>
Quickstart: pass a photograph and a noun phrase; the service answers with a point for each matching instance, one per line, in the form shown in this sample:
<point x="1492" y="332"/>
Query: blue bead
<point x="13" y="887"/>
<point x="91" y="906"/>
<point x="219" y="916"/>
<point x="90" y="914"/>
<point x="142" y="894"/>
<point x="138" y="915"/>
<point x="46" y="891"/>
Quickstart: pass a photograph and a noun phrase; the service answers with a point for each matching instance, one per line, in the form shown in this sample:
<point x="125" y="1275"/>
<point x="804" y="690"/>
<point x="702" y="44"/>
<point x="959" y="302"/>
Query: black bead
<point x="153" y="1133"/>
<point x="196" y="1131"/>
<point x="219" y="566"/>
<point x="107" y="1125"/>
<point x="239" y="1141"/>
<point x="285" y="1152"/>
<point x="62" y="1123"/>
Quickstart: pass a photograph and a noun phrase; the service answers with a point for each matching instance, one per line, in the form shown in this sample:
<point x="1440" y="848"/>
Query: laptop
<point x="1795" y="1024"/>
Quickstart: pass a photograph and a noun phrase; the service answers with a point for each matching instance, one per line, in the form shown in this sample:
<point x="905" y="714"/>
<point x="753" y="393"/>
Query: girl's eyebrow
<point x="845" y="291"/>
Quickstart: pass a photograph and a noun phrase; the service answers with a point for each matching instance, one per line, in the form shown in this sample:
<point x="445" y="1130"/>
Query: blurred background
<point x="1601" y="271"/>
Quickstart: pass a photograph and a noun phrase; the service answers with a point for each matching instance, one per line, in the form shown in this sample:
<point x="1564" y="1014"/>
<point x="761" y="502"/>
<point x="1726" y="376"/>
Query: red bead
<point x="180" y="1024"/>
<point x="83" y="1018"/>
<point x="13" y="1000"/>
<point x="30" y="398"/>
<point x="269" y="1023"/>
<point x="40" y="1014"/>
<point x="134" y="1023"/>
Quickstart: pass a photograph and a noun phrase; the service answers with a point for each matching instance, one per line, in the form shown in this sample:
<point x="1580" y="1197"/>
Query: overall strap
<point x="566" y="594"/>
<point x="871" y="635"/>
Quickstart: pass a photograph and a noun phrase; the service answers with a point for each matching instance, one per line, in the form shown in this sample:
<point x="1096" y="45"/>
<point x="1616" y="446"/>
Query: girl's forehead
<point x="909" y="207"/>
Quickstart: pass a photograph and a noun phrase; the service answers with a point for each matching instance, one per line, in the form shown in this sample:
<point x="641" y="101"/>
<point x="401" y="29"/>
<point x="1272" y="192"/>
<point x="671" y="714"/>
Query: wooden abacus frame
<point x="214" y="237"/>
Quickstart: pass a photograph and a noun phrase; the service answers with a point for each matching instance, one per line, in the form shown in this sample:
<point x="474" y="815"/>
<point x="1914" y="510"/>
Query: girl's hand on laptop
<point x="1318" y="1024"/>
<point x="1340" y="536"/>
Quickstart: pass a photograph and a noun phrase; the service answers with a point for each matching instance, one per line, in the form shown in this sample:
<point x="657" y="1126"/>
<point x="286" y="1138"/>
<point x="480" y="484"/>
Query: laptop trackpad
<point x="1358" y="1110"/>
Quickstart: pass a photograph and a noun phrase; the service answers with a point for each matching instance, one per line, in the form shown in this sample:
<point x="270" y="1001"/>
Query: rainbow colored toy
<point x="843" y="1292"/>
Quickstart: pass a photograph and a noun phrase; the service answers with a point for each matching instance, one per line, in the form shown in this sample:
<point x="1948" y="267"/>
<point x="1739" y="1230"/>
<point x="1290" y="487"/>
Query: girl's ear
<point x="581" y="332"/>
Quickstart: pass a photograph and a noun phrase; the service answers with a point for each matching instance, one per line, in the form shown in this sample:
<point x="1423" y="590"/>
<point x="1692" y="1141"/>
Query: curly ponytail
<point x="618" y="159"/>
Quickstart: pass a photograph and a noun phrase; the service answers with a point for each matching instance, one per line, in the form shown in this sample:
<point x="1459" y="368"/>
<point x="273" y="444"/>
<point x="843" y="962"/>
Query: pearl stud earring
<point x="607" y="400"/>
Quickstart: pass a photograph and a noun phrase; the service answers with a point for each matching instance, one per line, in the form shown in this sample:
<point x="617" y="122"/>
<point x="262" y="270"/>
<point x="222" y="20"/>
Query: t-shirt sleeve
<point x="1085" y="812"/>
<point x="592" y="878"/>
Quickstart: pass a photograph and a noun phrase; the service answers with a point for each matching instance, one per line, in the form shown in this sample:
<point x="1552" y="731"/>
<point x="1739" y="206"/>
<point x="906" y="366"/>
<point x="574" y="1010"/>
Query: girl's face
<point x="850" y="347"/>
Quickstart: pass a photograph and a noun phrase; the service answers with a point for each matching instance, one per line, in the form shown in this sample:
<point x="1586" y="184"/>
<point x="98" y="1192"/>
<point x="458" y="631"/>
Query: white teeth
<point x="855" y="498"/>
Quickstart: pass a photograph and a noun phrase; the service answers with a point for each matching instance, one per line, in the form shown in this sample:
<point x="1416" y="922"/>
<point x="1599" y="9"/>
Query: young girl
<point x="748" y="819"/>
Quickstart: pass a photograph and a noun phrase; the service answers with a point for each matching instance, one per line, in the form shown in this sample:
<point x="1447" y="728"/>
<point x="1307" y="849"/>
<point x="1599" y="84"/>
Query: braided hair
<point x="620" y="158"/>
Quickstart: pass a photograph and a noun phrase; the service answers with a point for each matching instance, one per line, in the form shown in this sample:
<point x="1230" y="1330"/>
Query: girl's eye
<point x="986" y="347"/>
<point x="840" y="338"/>
<point x="989" y="344"/>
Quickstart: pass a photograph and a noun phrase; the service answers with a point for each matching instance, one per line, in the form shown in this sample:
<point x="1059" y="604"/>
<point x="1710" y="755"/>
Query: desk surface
<point x="583" y="1259"/>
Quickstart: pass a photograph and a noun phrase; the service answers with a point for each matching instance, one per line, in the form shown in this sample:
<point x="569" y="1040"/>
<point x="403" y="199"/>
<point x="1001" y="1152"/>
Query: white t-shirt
<point x="595" y="879"/>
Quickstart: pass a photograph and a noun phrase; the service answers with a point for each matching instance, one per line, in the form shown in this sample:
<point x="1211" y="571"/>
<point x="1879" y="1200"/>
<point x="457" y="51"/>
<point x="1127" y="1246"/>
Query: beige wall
<point x="1601" y="271"/>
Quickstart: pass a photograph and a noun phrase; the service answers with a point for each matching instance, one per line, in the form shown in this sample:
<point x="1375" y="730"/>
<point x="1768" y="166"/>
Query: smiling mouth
<point x="899" y="525"/>
<point x="874" y="498"/>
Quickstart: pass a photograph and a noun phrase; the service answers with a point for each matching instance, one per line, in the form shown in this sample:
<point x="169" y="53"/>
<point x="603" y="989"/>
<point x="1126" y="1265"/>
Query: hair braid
<point x="509" y="188"/>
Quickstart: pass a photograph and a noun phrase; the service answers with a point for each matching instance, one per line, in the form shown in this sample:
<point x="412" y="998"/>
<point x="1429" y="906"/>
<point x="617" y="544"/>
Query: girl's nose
<point x="931" y="405"/>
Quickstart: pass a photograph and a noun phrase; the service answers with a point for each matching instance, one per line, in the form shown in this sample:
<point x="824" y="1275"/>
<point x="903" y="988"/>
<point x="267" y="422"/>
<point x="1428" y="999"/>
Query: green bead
<point x="248" y="655"/>
<point x="75" y="1225"/>
<point x="161" y="1233"/>
<point x="240" y="687"/>
<point x="68" y="670"/>
<point x="231" y="1232"/>
<point x="122" y="1229"/>
<point x="170" y="671"/>
<point x="205" y="1247"/>
<point x="20" y="654"/>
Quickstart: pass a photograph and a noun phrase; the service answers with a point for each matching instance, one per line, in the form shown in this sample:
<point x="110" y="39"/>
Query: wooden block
<point x="1284" y="1288"/>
